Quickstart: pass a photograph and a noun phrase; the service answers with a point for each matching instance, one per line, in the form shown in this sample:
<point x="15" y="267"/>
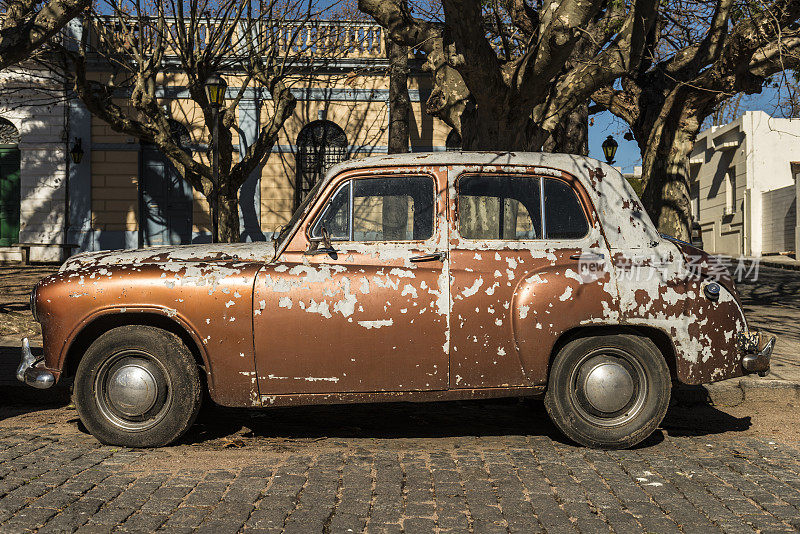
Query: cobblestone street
<point x="495" y="466"/>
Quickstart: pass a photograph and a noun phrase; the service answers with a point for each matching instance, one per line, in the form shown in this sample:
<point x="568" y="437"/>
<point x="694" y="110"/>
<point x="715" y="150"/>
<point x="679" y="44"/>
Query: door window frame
<point x="573" y="183"/>
<point x="337" y="186"/>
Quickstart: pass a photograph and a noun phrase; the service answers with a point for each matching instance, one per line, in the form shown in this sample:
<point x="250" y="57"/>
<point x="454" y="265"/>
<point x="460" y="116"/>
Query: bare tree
<point x="259" y="45"/>
<point x="27" y="25"/>
<point x="507" y="73"/>
<point x="705" y="53"/>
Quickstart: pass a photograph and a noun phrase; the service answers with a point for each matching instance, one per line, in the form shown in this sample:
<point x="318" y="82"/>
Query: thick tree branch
<point x="24" y="30"/>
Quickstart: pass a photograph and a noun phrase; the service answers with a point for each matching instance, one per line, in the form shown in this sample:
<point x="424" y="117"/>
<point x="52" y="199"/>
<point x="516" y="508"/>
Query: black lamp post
<point x="610" y="149"/>
<point x="77" y="151"/>
<point x="215" y="92"/>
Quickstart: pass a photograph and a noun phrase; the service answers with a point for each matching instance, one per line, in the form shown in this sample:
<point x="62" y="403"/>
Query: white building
<point x="744" y="185"/>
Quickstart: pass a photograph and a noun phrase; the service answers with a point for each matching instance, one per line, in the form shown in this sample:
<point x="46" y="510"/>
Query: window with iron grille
<point x="9" y="135"/>
<point x="320" y="145"/>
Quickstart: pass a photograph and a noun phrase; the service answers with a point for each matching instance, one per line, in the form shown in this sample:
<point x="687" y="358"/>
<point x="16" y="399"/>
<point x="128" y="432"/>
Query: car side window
<point x="396" y="208"/>
<point x="509" y="207"/>
<point x="563" y="214"/>
<point x="499" y="207"/>
<point x="336" y="216"/>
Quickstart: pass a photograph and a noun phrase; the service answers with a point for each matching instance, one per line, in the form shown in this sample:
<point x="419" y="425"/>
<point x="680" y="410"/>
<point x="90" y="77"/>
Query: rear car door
<point x="517" y="239"/>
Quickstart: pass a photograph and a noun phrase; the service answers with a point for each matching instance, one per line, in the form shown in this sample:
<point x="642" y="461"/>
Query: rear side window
<point x="510" y="207"/>
<point x="499" y="207"/>
<point x="396" y="208"/>
<point x="563" y="214"/>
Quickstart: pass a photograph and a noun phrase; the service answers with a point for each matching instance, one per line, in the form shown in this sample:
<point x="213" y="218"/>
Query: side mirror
<point x="275" y="234"/>
<point x="327" y="248"/>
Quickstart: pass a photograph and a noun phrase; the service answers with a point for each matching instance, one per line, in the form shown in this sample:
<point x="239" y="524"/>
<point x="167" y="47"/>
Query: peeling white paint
<point x="376" y="324"/>
<point x="468" y="292"/>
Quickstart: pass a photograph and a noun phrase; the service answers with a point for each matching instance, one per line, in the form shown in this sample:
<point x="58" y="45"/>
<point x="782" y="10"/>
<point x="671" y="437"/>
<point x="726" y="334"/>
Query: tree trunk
<point x="395" y="208"/>
<point x="572" y="135"/>
<point x="665" y="169"/>
<point x="399" y="100"/>
<point x="228" y="216"/>
<point x="500" y="128"/>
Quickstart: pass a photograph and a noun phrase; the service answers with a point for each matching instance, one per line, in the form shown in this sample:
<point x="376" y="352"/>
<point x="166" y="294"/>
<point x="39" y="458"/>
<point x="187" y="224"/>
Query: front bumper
<point x="757" y="348"/>
<point x="30" y="373"/>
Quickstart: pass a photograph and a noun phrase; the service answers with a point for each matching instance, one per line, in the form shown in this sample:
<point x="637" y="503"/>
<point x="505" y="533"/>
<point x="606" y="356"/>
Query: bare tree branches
<point x="706" y="52"/>
<point x="27" y="25"/>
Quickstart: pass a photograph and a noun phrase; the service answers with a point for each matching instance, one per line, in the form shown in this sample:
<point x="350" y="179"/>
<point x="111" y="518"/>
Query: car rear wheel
<point x="137" y="386"/>
<point x="608" y="391"/>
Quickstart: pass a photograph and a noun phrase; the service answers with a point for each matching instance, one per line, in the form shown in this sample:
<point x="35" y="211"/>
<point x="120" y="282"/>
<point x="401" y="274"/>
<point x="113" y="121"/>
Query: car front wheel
<point x="608" y="391"/>
<point x="137" y="386"/>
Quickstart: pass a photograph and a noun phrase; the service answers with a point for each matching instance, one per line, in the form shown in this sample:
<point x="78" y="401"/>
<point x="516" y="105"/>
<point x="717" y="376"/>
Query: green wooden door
<point x="9" y="195"/>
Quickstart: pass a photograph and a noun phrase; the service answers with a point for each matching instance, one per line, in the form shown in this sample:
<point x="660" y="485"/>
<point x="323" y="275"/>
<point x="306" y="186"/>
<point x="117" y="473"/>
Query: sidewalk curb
<point x="774" y="264"/>
<point x="737" y="391"/>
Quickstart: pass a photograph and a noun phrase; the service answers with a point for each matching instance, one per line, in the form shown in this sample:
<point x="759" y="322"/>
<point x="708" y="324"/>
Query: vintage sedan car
<point x="421" y="277"/>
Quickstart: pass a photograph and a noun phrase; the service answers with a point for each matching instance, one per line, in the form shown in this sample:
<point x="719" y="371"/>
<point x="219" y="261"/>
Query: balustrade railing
<point x="312" y="39"/>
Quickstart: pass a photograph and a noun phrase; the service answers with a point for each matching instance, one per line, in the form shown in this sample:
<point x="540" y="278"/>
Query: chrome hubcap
<point x="608" y="387"/>
<point x="132" y="390"/>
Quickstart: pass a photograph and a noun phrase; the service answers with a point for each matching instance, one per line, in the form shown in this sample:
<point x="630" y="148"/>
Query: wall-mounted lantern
<point x="77" y="151"/>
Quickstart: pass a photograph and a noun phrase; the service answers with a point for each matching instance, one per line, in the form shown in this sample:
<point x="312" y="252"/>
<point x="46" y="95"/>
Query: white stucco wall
<point x="40" y="121"/>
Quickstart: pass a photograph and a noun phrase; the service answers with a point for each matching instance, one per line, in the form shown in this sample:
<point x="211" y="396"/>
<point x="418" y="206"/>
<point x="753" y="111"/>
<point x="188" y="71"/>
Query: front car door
<point x="370" y="315"/>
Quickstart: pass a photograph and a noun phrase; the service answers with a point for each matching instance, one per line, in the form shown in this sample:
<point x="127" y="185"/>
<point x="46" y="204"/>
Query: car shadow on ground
<point x="479" y="418"/>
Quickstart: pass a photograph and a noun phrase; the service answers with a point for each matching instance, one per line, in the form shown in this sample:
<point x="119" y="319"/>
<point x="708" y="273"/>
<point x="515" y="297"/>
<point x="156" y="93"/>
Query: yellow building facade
<point x="344" y="106"/>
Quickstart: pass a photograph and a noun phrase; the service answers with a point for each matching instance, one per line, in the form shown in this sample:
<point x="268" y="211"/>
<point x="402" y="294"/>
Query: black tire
<point x="129" y="368"/>
<point x="588" y="393"/>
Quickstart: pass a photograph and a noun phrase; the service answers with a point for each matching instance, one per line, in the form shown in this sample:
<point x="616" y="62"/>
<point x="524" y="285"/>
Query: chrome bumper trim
<point x="29" y="373"/>
<point x="757" y="348"/>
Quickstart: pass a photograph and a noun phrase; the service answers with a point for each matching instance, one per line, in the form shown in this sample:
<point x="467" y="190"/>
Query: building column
<point x="79" y="126"/>
<point x="79" y="229"/>
<point x="250" y="192"/>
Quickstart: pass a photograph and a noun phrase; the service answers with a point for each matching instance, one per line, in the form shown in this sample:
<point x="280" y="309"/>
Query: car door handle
<point x="435" y="256"/>
<point x="587" y="256"/>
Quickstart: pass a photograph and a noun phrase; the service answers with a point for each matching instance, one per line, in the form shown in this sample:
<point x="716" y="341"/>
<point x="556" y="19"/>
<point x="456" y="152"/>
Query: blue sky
<point x="606" y="124"/>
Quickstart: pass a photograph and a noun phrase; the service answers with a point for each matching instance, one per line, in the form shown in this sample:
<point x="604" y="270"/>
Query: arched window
<point x="453" y="141"/>
<point x="9" y="135"/>
<point x="320" y="145"/>
<point x="9" y="183"/>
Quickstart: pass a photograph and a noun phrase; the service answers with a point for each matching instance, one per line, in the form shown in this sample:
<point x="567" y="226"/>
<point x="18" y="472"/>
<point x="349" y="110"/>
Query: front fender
<point x="211" y="302"/>
<point x="549" y="302"/>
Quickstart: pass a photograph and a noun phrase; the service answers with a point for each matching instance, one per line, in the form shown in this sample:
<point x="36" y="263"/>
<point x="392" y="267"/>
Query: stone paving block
<point x="186" y="516"/>
<point x="143" y="522"/>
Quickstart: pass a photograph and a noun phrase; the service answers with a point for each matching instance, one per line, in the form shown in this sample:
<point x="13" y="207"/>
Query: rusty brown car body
<point x="474" y="293"/>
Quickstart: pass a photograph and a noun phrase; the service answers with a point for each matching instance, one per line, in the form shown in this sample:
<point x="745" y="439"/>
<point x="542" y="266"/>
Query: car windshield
<point x="286" y="228"/>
